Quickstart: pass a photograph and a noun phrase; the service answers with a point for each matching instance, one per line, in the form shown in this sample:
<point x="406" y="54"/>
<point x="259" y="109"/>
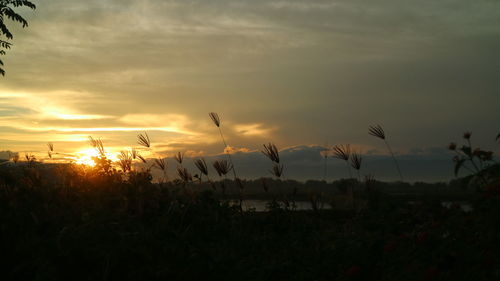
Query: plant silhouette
<point x="7" y="12"/>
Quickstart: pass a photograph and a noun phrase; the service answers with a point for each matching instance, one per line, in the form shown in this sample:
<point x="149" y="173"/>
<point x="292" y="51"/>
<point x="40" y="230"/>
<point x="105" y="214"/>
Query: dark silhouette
<point x="7" y="12"/>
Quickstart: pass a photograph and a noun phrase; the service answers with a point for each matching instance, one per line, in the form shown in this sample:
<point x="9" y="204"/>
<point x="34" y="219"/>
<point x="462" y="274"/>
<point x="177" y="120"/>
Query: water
<point x="261" y="205"/>
<point x="466" y="207"/>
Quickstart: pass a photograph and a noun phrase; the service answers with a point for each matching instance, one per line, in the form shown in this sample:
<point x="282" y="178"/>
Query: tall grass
<point x="378" y="132"/>
<point x="216" y="120"/>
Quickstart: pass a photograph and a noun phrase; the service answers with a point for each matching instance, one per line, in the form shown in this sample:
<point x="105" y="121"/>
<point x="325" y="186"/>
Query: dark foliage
<point x="79" y="223"/>
<point x="7" y="12"/>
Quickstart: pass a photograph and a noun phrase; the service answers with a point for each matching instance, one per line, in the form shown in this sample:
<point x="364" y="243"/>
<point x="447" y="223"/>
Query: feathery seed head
<point x="179" y="157"/>
<point x="222" y="167"/>
<point x="144" y="140"/>
<point x="215" y="118"/>
<point x="356" y="160"/>
<point x="271" y="151"/>
<point x="201" y="165"/>
<point x="376" y="131"/>
<point x="342" y="152"/>
<point x="184" y="174"/>
<point x="161" y="164"/>
<point x="97" y="145"/>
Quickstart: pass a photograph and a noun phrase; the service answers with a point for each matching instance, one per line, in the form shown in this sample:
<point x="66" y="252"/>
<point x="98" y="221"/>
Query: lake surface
<point x="261" y="205"/>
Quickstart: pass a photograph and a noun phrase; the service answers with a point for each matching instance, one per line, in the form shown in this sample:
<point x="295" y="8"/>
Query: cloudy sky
<point x="298" y="73"/>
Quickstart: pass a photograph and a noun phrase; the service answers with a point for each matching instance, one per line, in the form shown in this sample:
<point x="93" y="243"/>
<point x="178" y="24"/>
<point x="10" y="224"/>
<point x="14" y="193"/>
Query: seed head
<point x="179" y="157"/>
<point x="376" y="131"/>
<point x="342" y="152"/>
<point x="222" y="167"/>
<point x="271" y="151"/>
<point x="202" y="166"/>
<point x="215" y="118"/>
<point x="184" y="174"/>
<point x="356" y="160"/>
<point x="161" y="164"/>
<point x="144" y="140"/>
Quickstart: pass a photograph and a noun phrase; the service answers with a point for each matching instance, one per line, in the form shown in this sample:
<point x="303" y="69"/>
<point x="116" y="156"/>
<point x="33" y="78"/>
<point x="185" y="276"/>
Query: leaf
<point x="466" y="150"/>
<point x="458" y="164"/>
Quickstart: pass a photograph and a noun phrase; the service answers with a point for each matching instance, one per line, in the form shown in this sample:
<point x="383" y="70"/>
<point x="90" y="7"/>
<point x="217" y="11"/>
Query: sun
<point x="86" y="157"/>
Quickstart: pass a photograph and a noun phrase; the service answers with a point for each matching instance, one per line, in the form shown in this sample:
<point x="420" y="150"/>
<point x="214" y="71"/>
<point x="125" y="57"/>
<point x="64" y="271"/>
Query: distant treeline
<point x="262" y="188"/>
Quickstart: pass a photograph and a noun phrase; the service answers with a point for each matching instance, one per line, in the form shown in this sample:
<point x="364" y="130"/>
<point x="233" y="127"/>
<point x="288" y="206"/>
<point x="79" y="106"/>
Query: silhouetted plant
<point x="277" y="170"/>
<point x="125" y="161"/>
<point x="215" y="118"/>
<point x="478" y="159"/>
<point x="378" y="132"/>
<point x="179" y="157"/>
<point x="202" y="166"/>
<point x="356" y="160"/>
<point x="51" y="149"/>
<point x="144" y="140"/>
<point x="98" y="146"/>
<point x="343" y="152"/>
<point x="271" y="151"/>
<point x="7" y="12"/>
<point x="222" y="167"/>
<point x="184" y="175"/>
<point x="30" y="158"/>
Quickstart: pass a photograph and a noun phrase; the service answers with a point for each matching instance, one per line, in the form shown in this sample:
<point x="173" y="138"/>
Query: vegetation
<point x="112" y="222"/>
<point x="7" y="11"/>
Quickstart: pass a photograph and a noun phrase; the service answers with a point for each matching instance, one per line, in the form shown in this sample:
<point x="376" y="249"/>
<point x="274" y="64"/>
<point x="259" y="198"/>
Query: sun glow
<point x="86" y="157"/>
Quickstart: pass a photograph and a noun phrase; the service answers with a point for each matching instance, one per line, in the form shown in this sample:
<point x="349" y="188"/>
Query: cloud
<point x="314" y="69"/>
<point x="234" y="150"/>
<point x="253" y="130"/>
<point x="305" y="162"/>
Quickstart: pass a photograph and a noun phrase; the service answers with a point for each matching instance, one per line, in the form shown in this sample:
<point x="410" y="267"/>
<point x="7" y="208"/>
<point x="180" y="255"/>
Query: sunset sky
<point x="298" y="73"/>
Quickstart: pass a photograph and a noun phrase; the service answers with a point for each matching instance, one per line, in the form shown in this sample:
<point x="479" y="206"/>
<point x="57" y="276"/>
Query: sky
<point x="299" y="73"/>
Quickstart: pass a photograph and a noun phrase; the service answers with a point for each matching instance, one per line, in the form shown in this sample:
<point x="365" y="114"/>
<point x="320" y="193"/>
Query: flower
<point x="467" y="135"/>
<point x="452" y="146"/>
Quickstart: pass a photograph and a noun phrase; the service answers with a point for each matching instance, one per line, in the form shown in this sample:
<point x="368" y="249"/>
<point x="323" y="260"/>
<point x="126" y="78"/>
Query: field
<point x="70" y="222"/>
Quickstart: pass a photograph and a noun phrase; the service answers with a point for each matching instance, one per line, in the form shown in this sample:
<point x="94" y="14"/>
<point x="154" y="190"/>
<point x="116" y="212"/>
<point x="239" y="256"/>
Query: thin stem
<point x="349" y="169"/>
<point x="471" y="158"/>
<point x="394" y="158"/>
<point x="228" y="154"/>
<point x="326" y="165"/>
